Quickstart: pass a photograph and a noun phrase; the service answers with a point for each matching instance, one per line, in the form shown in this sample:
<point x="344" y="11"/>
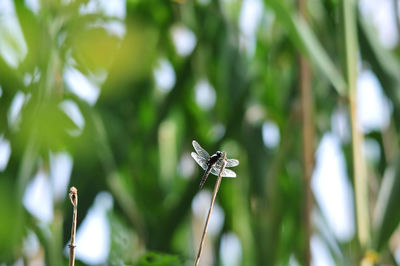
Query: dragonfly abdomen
<point x="204" y="178"/>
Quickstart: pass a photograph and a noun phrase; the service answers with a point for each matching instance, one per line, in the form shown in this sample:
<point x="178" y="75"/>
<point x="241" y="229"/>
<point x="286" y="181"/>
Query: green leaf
<point x="304" y="38"/>
<point x="158" y="259"/>
<point x="383" y="63"/>
<point x="387" y="210"/>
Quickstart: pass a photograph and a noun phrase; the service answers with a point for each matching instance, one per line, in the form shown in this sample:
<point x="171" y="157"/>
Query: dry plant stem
<point x="216" y="187"/>
<point x="73" y="196"/>
<point x="308" y="153"/>
<point x="308" y="136"/>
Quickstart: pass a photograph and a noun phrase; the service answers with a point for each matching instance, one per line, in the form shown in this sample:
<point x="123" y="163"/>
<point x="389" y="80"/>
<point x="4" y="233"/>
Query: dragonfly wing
<point x="202" y="152"/>
<point x="200" y="160"/>
<point x="229" y="163"/>
<point x="215" y="170"/>
<point x="226" y="173"/>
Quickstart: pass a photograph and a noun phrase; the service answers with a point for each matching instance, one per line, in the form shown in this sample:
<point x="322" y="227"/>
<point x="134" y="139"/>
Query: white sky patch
<point x="5" y="152"/>
<point x="164" y="75"/>
<point x="60" y="173"/>
<point x="332" y="189"/>
<point x="340" y="124"/>
<point x="205" y="94"/>
<point x="249" y="19"/>
<point x="13" y="47"/>
<point x="397" y="254"/>
<point x="98" y="76"/>
<point x="33" y="77"/>
<point x="33" y="5"/>
<point x="186" y="166"/>
<point x="115" y="8"/>
<point x="293" y="261"/>
<point x="73" y="112"/>
<point x="31" y="246"/>
<point x="231" y="250"/>
<point x="200" y="205"/>
<point x="13" y="115"/>
<point x="372" y="150"/>
<point x="255" y="113"/>
<point x="250" y="16"/>
<point x="19" y="262"/>
<point x="320" y="254"/>
<point x="93" y="235"/>
<point x="184" y="39"/>
<point x="319" y="221"/>
<point x="373" y="107"/>
<point x="217" y="131"/>
<point x="80" y="85"/>
<point x="38" y="198"/>
<point x="382" y="16"/>
<point x="113" y="27"/>
<point x="270" y="134"/>
<point x="27" y="79"/>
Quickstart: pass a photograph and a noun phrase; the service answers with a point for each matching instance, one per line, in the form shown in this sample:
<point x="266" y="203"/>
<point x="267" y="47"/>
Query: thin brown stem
<point x="73" y="196"/>
<point x="216" y="188"/>
<point x="308" y="136"/>
<point x="308" y="150"/>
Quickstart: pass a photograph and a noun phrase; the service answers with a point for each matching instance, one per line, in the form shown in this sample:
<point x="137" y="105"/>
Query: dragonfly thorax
<point x="214" y="158"/>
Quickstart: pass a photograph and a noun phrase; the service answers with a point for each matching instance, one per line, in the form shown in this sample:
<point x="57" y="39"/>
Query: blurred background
<point x="107" y="96"/>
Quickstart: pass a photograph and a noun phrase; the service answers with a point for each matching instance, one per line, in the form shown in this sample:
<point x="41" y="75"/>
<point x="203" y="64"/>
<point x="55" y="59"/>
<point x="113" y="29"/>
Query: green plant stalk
<point x="55" y="240"/>
<point x="216" y="188"/>
<point x="118" y="190"/>
<point x="25" y="171"/>
<point x="304" y="38"/>
<point x="396" y="14"/>
<point x="360" y="172"/>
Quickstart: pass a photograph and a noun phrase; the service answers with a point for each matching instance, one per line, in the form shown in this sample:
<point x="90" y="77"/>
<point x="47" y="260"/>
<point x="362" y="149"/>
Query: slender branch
<point x="73" y="196"/>
<point x="308" y="136"/>
<point x="216" y="187"/>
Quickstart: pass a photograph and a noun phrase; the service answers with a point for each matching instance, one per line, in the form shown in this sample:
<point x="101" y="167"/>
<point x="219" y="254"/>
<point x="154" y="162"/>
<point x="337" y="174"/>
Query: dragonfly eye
<point x="219" y="153"/>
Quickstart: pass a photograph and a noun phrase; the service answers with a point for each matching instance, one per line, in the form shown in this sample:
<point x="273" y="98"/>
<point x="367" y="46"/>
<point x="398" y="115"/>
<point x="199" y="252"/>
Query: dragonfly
<point x="212" y="164"/>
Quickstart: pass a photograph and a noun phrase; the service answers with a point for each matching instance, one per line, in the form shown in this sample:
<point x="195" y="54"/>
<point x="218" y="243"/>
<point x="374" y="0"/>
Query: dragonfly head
<point x="219" y="153"/>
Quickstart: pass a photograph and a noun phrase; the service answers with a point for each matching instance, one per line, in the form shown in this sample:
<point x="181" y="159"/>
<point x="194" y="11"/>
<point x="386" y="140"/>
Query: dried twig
<point x="73" y="196"/>
<point x="308" y="139"/>
<point x="210" y="210"/>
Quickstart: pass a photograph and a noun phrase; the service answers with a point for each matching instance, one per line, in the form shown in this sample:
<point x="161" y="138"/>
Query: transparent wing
<point x="202" y="152"/>
<point x="232" y="162"/>
<point x="200" y="160"/>
<point x="226" y="173"/>
<point x="229" y="163"/>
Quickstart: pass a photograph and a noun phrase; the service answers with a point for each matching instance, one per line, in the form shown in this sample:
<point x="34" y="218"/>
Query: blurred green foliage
<point x="134" y="136"/>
